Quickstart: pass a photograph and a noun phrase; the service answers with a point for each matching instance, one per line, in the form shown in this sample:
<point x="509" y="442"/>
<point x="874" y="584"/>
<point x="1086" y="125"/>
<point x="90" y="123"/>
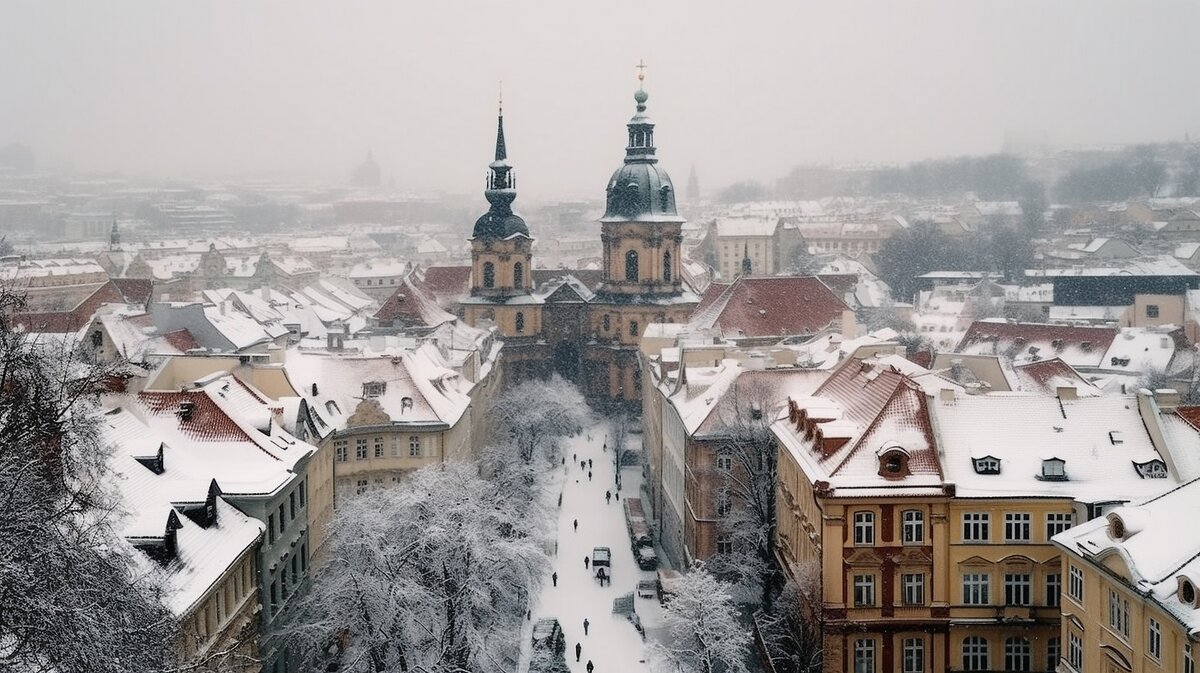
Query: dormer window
<point x="406" y="404"/>
<point x="1054" y="469"/>
<point x="987" y="465"/>
<point x="1057" y="344"/>
<point x="1151" y="469"/>
<point x="373" y="389"/>
<point x="1085" y="346"/>
<point x="1187" y="591"/>
<point x="893" y="462"/>
<point x="332" y="407"/>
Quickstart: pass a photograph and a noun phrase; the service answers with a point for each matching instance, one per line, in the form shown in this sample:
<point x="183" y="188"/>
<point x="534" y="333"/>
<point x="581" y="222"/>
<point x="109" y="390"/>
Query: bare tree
<point x="71" y="597"/>
<point x="703" y="631"/>
<point x="534" y="415"/>
<point x="792" y="630"/>
<point x="748" y="468"/>
<point x="618" y="440"/>
<point x="431" y="575"/>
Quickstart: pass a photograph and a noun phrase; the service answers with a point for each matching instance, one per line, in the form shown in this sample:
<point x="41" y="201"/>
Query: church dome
<point x="499" y="226"/>
<point x="640" y="190"/>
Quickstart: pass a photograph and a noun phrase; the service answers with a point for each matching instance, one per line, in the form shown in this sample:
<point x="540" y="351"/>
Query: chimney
<point x="1167" y="398"/>
<point x="1067" y="393"/>
<point x="186" y="408"/>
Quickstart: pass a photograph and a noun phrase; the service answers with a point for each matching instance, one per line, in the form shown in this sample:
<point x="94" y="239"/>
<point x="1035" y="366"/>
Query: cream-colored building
<point x="1130" y="603"/>
<point x="747" y="241"/>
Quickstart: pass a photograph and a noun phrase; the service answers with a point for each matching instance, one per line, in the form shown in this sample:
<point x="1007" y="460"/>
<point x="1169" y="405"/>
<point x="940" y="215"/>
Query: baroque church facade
<point x="589" y="335"/>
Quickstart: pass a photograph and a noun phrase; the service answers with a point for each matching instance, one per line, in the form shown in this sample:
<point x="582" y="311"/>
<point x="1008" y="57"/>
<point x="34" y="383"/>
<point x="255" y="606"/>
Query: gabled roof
<point x="64" y="322"/>
<point x="1077" y="346"/>
<point x="446" y="282"/>
<point x="771" y="306"/>
<point x="863" y="410"/>
<point x="590" y="278"/>
<point x="410" y="307"/>
<point x="1047" y="376"/>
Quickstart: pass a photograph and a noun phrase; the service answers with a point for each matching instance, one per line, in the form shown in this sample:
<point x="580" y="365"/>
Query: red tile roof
<point x="1040" y="335"/>
<point x="207" y="423"/>
<point x="135" y="290"/>
<point x="62" y="322"/>
<point x="182" y="340"/>
<point x="447" y="280"/>
<point x="772" y="306"/>
<point x="841" y="283"/>
<point x="1038" y="375"/>
<point x="711" y="294"/>
<point x="1191" y="415"/>
<point x="409" y="306"/>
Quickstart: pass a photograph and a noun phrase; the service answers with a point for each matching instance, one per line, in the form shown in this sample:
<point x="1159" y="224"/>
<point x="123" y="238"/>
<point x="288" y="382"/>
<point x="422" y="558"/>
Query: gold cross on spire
<point x="641" y="67"/>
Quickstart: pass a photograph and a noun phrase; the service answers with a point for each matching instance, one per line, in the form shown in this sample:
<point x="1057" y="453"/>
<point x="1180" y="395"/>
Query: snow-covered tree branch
<point x="703" y="631"/>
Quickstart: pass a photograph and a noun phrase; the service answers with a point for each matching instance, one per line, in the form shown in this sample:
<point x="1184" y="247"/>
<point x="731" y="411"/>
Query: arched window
<point x="667" y="266"/>
<point x="520" y="322"/>
<point x="631" y="266"/>
<point x="975" y="654"/>
<point x="489" y="275"/>
<point x="518" y="275"/>
<point x="1017" y="655"/>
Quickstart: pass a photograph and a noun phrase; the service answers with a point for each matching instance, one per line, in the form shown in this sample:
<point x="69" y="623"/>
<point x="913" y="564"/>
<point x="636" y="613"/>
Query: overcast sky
<point x="303" y="90"/>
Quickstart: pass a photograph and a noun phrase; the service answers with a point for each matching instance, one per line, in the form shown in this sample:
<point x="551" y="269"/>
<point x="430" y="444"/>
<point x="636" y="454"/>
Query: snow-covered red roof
<point x="1157" y="550"/>
<point x="411" y="307"/>
<point x="1078" y="346"/>
<point x="771" y="306"/>
<point x="1099" y="438"/>
<point x="745" y="227"/>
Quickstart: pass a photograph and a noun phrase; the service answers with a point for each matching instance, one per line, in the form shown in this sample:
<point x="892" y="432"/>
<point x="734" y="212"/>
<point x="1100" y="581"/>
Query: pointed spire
<point x="746" y="266"/>
<point x="641" y="129"/>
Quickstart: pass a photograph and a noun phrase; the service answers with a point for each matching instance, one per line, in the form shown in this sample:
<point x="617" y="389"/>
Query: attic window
<point x="406" y="404"/>
<point x="1054" y="469"/>
<point x="893" y="463"/>
<point x="1115" y="437"/>
<point x="1151" y="469"/>
<point x="987" y="465"/>
<point x="1057" y="344"/>
<point x="373" y="389"/>
<point x="1085" y="346"/>
<point x="1187" y="592"/>
<point x="332" y="407"/>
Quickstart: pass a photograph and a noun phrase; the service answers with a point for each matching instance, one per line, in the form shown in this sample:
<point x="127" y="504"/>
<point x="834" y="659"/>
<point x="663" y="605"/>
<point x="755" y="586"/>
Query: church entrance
<point x="566" y="360"/>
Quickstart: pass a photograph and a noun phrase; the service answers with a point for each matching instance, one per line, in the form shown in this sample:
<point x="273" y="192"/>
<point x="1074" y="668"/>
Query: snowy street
<point x="612" y="643"/>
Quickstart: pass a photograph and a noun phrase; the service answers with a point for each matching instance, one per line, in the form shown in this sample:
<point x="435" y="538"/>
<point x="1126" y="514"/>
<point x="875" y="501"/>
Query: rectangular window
<point x="864" y="655"/>
<point x="1017" y="588"/>
<point x="274" y="596"/>
<point x="378" y="447"/>
<point x="914" y="527"/>
<point x="339" y="450"/>
<point x="864" y="590"/>
<point x="1075" y="588"/>
<point x="864" y="528"/>
<point x="270" y="529"/>
<point x="1151" y="310"/>
<point x="913" y="655"/>
<point x="360" y="449"/>
<point x="1118" y="614"/>
<point x="1075" y="651"/>
<point x="304" y="557"/>
<point x="1058" y="522"/>
<point x="295" y="569"/>
<point x="414" y="446"/>
<point x="303" y="493"/>
<point x="724" y="462"/>
<point x="282" y="520"/>
<point x="1189" y="664"/>
<point x="283" y="583"/>
<point x="396" y="447"/>
<point x="913" y="588"/>
<point x="976" y="527"/>
<point x="1154" y="639"/>
<point x="724" y="544"/>
<point x="1017" y="527"/>
<point x="360" y="487"/>
<point x="1053" y="590"/>
<point x="292" y="504"/>
<point x="975" y="588"/>
<point x="1053" y="652"/>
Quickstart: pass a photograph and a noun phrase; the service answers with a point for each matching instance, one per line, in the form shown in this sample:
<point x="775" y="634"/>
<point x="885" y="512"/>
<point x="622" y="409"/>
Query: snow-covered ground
<point x="612" y="643"/>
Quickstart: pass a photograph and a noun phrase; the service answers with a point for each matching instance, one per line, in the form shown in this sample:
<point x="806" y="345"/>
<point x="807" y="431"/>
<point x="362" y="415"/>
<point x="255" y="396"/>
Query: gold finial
<point x="641" y="67"/>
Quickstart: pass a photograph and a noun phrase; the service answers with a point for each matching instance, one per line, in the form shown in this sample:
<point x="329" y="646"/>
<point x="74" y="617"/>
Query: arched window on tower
<point x="667" y="266"/>
<point x="520" y="322"/>
<point x="631" y="266"/>
<point x="518" y="275"/>
<point x="489" y="275"/>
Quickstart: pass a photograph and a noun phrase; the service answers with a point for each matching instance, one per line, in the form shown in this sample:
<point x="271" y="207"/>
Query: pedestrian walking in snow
<point x="577" y="525"/>
<point x="583" y="464"/>
<point x="529" y="618"/>
<point x="589" y="475"/>
<point x="564" y="460"/>
<point x="589" y="463"/>
<point x="586" y="624"/>
<point x="590" y="666"/>
<point x="578" y="651"/>
<point x="617" y="495"/>
<point x="574" y="456"/>
<point x="554" y="578"/>
<point x="586" y="561"/>
<point x="605" y="447"/>
<point x="607" y="498"/>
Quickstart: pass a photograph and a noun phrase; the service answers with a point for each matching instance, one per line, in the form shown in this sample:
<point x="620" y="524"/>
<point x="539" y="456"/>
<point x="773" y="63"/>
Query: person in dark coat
<point x="554" y="578"/>
<point x="608" y="497"/>
<point x="589" y="475"/>
<point x="578" y="651"/>
<point x="586" y="624"/>
<point x="583" y="464"/>
<point x="589" y="463"/>
<point x="586" y="562"/>
<point x="576" y="524"/>
<point x="590" y="666"/>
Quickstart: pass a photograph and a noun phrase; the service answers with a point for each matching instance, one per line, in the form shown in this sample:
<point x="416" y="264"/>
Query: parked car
<point x="639" y="535"/>
<point x="602" y="561"/>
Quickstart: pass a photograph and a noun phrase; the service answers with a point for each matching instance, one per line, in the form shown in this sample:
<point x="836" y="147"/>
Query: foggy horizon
<point x="226" y="91"/>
